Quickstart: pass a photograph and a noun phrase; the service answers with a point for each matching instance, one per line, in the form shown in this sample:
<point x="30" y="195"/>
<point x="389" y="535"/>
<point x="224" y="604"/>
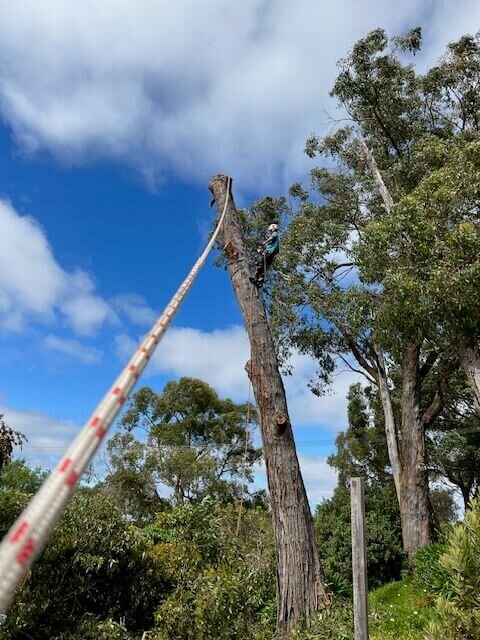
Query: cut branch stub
<point x="232" y="254"/>
<point x="281" y="424"/>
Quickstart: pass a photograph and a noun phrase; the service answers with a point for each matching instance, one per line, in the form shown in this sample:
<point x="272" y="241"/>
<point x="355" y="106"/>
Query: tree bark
<point x="469" y="354"/>
<point x="299" y="572"/>
<point x="406" y="450"/>
<point x="415" y="508"/>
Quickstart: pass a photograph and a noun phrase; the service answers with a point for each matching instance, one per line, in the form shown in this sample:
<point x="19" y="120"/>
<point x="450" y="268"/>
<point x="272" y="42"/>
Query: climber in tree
<point x="268" y="250"/>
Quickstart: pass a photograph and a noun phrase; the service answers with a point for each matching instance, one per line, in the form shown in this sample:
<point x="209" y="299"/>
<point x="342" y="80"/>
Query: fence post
<point x="359" y="559"/>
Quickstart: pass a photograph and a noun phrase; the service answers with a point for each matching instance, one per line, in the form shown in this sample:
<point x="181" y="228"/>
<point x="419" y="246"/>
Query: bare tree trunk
<point x="415" y="508"/>
<point x="377" y="176"/>
<point x="299" y="573"/>
<point x="406" y="451"/>
<point x="469" y="354"/>
<point x="390" y="429"/>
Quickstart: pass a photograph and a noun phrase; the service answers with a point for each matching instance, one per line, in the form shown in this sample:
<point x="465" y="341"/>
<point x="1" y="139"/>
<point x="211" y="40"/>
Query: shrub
<point x="332" y="624"/>
<point x="90" y="628"/>
<point x="94" y="563"/>
<point x="459" y="612"/>
<point x="220" y="584"/>
<point x="428" y="572"/>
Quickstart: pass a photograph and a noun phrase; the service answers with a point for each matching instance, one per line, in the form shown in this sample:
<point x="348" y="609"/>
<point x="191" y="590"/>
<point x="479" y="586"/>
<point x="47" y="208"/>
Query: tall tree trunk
<point x="412" y="493"/>
<point x="469" y="354"/>
<point x="406" y="450"/>
<point x="415" y="508"/>
<point x="299" y="573"/>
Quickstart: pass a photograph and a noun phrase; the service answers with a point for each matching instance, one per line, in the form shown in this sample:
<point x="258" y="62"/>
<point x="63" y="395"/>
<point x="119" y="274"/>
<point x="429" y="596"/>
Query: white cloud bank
<point x="33" y="284"/>
<point x="193" y="87"/>
<point x="134" y="308"/>
<point x="49" y="438"/>
<point x="219" y="358"/>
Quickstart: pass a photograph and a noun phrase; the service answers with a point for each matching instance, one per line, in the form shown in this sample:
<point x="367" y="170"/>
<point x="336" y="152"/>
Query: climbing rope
<point x="30" y="532"/>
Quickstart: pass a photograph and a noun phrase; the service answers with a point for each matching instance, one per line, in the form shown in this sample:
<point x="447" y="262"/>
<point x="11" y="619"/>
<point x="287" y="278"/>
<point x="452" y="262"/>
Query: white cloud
<point x="307" y="409"/>
<point x="319" y="478"/>
<point x="33" y="284"/>
<point x="48" y="437"/>
<point x="135" y="309"/>
<point x="73" y="349"/>
<point x="197" y="87"/>
<point x="219" y="358"/>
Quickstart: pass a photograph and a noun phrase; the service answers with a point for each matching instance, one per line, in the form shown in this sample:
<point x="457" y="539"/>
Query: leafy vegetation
<point x="459" y="608"/>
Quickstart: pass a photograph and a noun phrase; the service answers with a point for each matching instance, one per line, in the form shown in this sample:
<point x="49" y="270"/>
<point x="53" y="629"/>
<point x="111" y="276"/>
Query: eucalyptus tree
<point x="185" y="439"/>
<point x="348" y="295"/>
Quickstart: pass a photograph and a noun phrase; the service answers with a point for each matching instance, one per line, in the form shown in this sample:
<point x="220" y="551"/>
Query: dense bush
<point x="220" y="583"/>
<point x="459" y="612"/>
<point x="94" y="563"/>
<point x="384" y="539"/>
<point x="91" y="628"/>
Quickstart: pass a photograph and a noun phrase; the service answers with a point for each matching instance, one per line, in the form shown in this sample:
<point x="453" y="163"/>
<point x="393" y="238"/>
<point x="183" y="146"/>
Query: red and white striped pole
<point x="30" y="532"/>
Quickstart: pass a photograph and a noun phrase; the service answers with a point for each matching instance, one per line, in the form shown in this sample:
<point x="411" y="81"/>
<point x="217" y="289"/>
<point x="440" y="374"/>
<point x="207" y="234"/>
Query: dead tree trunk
<point x="299" y="573"/>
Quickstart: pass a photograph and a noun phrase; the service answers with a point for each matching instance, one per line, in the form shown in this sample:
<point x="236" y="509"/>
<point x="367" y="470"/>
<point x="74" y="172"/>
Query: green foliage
<point x="94" y="563"/>
<point x="195" y="446"/>
<point x="220" y="583"/>
<point x="336" y="622"/>
<point x="91" y="628"/>
<point x="17" y="475"/>
<point x="459" y="611"/>
<point x="428" y="572"/>
<point x="12" y="503"/>
<point x="444" y="506"/>
<point x="9" y="438"/>
<point x="426" y="251"/>
<point x="362" y="448"/>
<point x="384" y="541"/>
<point x="454" y="446"/>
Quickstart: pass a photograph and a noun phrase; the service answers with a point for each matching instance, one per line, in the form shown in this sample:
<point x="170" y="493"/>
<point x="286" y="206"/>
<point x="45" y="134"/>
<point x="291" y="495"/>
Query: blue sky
<point x="113" y="117"/>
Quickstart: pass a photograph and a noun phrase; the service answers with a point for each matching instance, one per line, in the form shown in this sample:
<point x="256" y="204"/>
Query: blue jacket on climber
<point x="268" y="250"/>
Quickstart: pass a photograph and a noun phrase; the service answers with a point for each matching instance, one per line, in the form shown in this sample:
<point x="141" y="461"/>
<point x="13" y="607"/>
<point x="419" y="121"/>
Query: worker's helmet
<point x="273" y="227"/>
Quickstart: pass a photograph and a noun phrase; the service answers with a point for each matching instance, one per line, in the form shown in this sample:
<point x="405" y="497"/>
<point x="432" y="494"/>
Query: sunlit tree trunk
<point x="299" y="573"/>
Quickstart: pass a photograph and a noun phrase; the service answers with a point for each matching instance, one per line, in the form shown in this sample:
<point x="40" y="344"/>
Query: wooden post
<point x="359" y="559"/>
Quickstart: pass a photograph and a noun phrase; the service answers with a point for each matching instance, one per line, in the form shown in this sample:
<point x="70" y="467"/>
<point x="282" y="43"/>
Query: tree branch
<point x="439" y="399"/>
